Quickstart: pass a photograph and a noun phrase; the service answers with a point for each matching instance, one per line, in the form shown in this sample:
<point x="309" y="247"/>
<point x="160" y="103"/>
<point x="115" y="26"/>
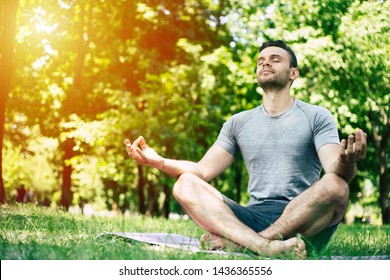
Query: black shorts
<point x="261" y="215"/>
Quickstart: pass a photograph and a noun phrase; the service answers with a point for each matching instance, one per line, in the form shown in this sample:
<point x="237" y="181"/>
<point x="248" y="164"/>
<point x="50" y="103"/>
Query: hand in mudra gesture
<point x="142" y="154"/>
<point x="353" y="149"/>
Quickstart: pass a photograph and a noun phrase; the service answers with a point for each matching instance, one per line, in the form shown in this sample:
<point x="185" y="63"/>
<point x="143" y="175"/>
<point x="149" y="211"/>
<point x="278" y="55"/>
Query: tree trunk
<point x="167" y="201"/>
<point x="73" y="104"/>
<point x="140" y="190"/>
<point x="66" y="196"/>
<point x="152" y="200"/>
<point x="384" y="192"/>
<point x="384" y="178"/>
<point x="381" y="143"/>
<point x="8" y="9"/>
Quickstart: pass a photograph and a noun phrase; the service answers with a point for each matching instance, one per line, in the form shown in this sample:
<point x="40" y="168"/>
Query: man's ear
<point x="294" y="73"/>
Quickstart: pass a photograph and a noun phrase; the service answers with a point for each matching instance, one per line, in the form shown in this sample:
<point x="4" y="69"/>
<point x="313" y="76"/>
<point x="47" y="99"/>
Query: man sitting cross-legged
<point x="285" y="144"/>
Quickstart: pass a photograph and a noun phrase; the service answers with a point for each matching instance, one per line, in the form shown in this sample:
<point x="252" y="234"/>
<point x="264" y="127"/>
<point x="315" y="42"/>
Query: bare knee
<point x="334" y="193"/>
<point x="183" y="188"/>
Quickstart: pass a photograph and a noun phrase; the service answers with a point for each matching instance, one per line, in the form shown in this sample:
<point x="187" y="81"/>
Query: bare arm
<point x="341" y="159"/>
<point x="214" y="162"/>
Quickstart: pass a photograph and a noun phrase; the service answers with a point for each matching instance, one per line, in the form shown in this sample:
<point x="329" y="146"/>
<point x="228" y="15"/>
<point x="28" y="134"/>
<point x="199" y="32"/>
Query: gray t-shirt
<point x="280" y="153"/>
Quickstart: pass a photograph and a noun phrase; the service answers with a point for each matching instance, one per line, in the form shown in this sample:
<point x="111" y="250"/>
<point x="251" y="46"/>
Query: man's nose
<point x="266" y="63"/>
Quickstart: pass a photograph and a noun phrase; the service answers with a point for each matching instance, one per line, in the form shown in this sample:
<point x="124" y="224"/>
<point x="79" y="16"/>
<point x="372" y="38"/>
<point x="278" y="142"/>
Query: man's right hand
<point x="142" y="154"/>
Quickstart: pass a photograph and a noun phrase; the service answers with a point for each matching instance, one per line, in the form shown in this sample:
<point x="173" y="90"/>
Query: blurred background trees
<point x="88" y="74"/>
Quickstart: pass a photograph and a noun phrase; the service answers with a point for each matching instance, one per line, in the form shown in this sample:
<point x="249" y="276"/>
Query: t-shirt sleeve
<point x="325" y="129"/>
<point x="226" y="138"/>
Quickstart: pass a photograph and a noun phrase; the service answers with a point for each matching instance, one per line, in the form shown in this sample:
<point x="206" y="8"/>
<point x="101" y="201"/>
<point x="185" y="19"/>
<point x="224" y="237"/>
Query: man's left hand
<point x="354" y="149"/>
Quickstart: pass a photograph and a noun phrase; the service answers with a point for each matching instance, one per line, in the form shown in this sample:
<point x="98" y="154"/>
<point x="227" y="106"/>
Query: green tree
<point x="344" y="68"/>
<point x="98" y="72"/>
<point x="48" y="85"/>
<point x="364" y="46"/>
<point x="8" y="9"/>
<point x="87" y="59"/>
<point x="165" y="85"/>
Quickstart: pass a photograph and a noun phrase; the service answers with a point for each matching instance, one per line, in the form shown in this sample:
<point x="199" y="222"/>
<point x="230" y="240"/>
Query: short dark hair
<point x="283" y="45"/>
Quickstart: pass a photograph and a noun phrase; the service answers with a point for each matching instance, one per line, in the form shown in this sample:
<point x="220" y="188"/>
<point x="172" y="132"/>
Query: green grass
<point x="28" y="232"/>
<point x="360" y="240"/>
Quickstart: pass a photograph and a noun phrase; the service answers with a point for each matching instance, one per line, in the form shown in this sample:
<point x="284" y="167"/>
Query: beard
<point x="274" y="81"/>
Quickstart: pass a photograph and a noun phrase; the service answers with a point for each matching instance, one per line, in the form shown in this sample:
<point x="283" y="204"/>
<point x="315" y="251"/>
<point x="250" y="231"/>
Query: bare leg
<point x="205" y="205"/>
<point x="211" y="241"/>
<point x="321" y="206"/>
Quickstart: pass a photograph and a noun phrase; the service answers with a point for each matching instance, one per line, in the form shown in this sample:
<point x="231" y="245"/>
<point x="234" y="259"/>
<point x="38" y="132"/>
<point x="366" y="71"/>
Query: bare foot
<point x="210" y="241"/>
<point x="293" y="247"/>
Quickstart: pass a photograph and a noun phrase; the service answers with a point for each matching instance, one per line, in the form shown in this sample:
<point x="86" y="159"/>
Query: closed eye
<point x="274" y="58"/>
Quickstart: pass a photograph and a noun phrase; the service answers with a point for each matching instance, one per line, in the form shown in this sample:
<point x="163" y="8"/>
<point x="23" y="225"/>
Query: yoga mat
<point x="187" y="243"/>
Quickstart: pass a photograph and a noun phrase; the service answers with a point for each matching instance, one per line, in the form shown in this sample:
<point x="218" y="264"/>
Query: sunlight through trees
<point x="88" y="74"/>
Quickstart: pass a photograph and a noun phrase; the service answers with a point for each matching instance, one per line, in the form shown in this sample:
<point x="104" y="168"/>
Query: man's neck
<point x="277" y="102"/>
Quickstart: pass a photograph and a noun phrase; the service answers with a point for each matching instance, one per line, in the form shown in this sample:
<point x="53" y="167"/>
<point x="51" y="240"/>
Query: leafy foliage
<point x="88" y="75"/>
